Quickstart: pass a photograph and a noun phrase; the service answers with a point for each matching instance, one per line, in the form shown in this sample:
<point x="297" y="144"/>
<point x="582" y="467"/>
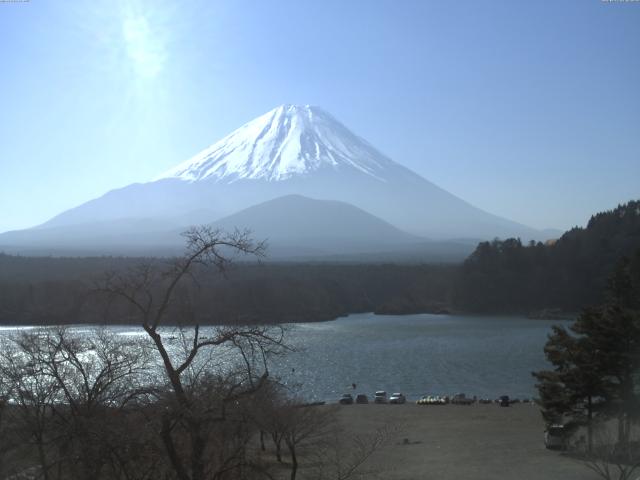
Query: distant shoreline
<point x="538" y="315"/>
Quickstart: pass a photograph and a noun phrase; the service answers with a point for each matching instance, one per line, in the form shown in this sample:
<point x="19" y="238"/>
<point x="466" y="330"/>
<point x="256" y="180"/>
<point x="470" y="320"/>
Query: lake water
<point x="417" y="355"/>
<point x="421" y="354"/>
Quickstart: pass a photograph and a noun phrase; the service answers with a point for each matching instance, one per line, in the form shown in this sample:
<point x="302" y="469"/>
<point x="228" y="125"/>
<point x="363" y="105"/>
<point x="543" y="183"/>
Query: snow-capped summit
<point x="289" y="140"/>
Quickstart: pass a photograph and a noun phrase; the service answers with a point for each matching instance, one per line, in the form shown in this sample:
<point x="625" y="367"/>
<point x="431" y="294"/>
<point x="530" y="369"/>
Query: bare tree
<point x="7" y="442"/>
<point x="98" y="374"/>
<point x="343" y="456"/>
<point x="34" y="394"/>
<point x="196" y="398"/>
<point x="69" y="391"/>
<point x="317" y="447"/>
<point x="266" y="410"/>
<point x="610" y="459"/>
<point x="160" y="297"/>
<point x="308" y="427"/>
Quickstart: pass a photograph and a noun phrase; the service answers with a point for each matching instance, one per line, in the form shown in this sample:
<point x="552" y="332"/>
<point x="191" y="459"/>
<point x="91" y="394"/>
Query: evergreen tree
<point x="572" y="392"/>
<point x="597" y="362"/>
<point x="613" y="336"/>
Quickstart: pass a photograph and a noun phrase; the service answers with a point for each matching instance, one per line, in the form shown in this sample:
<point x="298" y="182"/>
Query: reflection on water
<point x="414" y="354"/>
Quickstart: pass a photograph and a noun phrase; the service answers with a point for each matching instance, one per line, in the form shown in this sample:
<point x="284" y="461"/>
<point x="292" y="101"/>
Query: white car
<point x="380" y="397"/>
<point x="397" y="398"/>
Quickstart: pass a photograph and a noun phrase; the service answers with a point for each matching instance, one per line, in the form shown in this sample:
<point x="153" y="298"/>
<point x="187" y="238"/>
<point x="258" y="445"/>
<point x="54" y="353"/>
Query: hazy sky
<point x="527" y="109"/>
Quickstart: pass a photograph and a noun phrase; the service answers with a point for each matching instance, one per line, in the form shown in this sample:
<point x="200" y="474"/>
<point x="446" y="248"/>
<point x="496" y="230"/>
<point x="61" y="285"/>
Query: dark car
<point x="346" y="399"/>
<point x="462" y="399"/>
<point x="555" y="437"/>
<point x="362" y="398"/>
<point x="504" y="401"/>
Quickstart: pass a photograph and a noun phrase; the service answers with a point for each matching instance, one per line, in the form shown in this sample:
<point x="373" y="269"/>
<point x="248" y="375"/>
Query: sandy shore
<point x="461" y="442"/>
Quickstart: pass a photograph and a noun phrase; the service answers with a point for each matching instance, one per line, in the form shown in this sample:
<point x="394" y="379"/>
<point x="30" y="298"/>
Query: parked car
<point x="461" y="399"/>
<point x="362" y="398"/>
<point x="346" y="399"/>
<point x="555" y="437"/>
<point x="397" y="398"/>
<point x="380" y="397"/>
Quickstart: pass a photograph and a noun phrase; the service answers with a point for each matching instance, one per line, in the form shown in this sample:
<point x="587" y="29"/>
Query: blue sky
<point x="527" y="109"/>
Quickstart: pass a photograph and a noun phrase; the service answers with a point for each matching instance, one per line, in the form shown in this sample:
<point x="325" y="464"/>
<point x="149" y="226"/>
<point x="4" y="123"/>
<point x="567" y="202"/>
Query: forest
<point x="501" y="276"/>
<point x="567" y="275"/>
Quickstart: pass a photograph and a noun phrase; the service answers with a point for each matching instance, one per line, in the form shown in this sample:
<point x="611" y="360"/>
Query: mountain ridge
<point x="323" y="227"/>
<point x="290" y="150"/>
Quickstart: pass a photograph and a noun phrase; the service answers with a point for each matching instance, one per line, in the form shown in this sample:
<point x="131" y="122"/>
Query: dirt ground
<point x="461" y="442"/>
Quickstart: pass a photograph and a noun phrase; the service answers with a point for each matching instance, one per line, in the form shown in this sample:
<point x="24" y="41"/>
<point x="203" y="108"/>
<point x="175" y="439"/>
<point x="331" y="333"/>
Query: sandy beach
<point x="461" y="442"/>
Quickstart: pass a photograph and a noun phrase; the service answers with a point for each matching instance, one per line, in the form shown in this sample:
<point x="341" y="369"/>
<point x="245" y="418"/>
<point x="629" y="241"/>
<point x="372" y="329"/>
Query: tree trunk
<point x="167" y="439"/>
<point x="294" y="460"/>
<point x="589" y="424"/>
<point x="626" y="430"/>
<point x="43" y="459"/>
<point x="277" y="441"/>
<point x="197" y="450"/>
<point x="621" y="428"/>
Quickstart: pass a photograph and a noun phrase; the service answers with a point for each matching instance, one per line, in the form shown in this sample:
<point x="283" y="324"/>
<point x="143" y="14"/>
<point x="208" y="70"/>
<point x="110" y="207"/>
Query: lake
<point x="420" y="354"/>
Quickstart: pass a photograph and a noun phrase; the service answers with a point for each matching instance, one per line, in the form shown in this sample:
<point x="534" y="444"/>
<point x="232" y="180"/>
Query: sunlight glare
<point x="145" y="47"/>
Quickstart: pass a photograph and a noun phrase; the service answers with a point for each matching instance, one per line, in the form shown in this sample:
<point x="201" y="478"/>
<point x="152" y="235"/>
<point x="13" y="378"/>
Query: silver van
<point x="555" y="437"/>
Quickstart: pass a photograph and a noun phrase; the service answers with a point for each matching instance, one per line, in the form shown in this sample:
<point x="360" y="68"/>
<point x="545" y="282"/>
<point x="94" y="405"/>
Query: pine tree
<point x="572" y="392"/>
<point x="596" y="363"/>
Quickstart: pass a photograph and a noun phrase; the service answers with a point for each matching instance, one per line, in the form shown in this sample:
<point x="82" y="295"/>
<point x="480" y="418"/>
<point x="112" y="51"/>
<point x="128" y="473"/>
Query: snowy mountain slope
<point x="288" y="141"/>
<point x="292" y="150"/>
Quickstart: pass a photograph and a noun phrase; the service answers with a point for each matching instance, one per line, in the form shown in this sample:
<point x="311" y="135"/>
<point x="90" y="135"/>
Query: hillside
<point x="295" y="225"/>
<point x="567" y="274"/>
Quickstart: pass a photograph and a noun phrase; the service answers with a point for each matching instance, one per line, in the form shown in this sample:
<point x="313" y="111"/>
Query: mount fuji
<point x="291" y="150"/>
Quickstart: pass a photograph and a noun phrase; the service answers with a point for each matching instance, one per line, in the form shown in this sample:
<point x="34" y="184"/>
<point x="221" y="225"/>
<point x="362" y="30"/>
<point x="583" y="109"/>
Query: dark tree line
<point x="33" y="291"/>
<point x="568" y="274"/>
<point x="499" y="277"/>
